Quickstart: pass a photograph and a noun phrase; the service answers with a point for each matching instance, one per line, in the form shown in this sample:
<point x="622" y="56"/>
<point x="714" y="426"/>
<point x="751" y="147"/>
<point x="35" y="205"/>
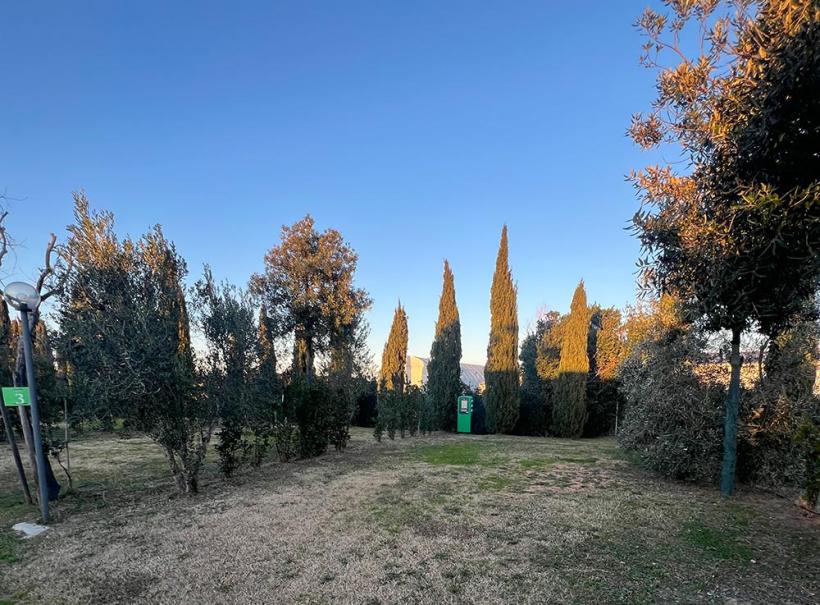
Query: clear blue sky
<point x="415" y="128"/>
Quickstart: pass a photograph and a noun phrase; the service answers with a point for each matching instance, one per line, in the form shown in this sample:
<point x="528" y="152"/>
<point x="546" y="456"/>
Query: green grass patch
<point x="494" y="483"/>
<point x="720" y="543"/>
<point x="460" y="454"/>
<point x="537" y="462"/>
<point x="9" y="548"/>
<point x="13" y="508"/>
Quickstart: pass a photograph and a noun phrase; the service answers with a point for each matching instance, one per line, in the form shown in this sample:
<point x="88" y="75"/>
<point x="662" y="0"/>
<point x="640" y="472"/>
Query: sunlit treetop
<point x="733" y="224"/>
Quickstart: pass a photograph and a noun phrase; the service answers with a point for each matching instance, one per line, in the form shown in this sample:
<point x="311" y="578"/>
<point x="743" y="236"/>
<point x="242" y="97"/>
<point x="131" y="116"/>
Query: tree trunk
<point x="185" y="472"/>
<point x="29" y="440"/>
<point x="761" y="355"/>
<point x="15" y="453"/>
<point x="175" y="470"/>
<point x="309" y="359"/>
<point x="727" y="473"/>
<point x="191" y="483"/>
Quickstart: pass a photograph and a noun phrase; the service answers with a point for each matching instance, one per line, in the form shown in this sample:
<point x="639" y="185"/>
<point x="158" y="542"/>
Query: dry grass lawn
<point x="440" y="519"/>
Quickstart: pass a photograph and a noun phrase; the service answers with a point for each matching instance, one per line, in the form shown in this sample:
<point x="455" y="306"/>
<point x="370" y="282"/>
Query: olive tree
<point x="736" y="233"/>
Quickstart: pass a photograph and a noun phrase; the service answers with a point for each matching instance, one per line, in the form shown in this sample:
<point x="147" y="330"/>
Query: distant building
<point x="471" y="374"/>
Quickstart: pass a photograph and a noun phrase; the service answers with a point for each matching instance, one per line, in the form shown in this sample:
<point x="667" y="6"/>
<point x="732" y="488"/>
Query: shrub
<point x="313" y="408"/>
<point x="230" y="446"/>
<point x="673" y="417"/>
<point x="341" y="412"/>
<point x="412" y="404"/>
<point x="674" y="402"/>
<point x="777" y="409"/>
<point x="604" y="401"/>
<point x="286" y="438"/>
<point x="809" y="436"/>
<point x="388" y="414"/>
<point x="366" y="399"/>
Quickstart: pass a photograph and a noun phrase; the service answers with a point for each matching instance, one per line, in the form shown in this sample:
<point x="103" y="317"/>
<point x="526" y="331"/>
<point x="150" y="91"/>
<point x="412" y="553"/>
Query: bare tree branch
<point x="58" y="263"/>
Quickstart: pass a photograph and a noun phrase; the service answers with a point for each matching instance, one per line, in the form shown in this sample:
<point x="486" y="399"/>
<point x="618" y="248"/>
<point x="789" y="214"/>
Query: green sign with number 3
<point x="16" y="396"/>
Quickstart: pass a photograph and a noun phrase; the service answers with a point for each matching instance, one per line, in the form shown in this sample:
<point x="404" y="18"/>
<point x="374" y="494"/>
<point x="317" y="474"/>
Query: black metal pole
<point x="35" y="414"/>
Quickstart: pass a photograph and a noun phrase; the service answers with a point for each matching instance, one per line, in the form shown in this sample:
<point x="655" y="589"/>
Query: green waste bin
<point x="464" y="413"/>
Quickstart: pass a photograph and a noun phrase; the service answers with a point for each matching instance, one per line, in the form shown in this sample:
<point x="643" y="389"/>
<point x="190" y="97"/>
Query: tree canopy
<point x="735" y="235"/>
<point x="308" y="287"/>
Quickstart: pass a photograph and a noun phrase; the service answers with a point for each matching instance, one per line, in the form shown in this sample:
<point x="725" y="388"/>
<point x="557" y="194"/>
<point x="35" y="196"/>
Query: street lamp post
<point x="26" y="299"/>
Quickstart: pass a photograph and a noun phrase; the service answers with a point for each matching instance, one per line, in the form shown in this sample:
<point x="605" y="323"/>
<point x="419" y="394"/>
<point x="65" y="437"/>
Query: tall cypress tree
<point x="501" y="372"/>
<point x="569" y="410"/>
<point x="392" y="378"/>
<point x="444" y="369"/>
<point x="394" y="357"/>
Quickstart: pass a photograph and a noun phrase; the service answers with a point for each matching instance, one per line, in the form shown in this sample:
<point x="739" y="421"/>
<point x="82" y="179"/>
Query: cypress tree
<point x="265" y="408"/>
<point x="392" y="378"/>
<point x="394" y="357"/>
<point x="501" y="373"/>
<point x="569" y="410"/>
<point x="444" y="369"/>
<point x="266" y="351"/>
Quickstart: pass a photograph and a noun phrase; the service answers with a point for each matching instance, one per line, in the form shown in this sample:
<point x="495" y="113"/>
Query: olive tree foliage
<point x="733" y="229"/>
<point x="173" y="411"/>
<point x="672" y="420"/>
<point x="51" y="389"/>
<point x="125" y="339"/>
<point x="225" y="316"/>
<point x="269" y="424"/>
<point x="97" y="316"/>
<point x="778" y="410"/>
<point x="673" y="386"/>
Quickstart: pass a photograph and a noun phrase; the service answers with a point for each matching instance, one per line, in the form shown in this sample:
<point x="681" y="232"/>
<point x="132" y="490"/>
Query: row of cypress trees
<point x="403" y="411"/>
<point x="405" y="408"/>
<point x="502" y="374"/>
